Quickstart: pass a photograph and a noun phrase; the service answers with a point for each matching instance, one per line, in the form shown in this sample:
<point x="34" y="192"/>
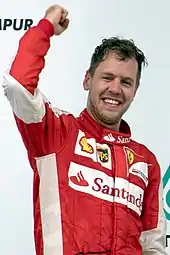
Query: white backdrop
<point x="147" y="22"/>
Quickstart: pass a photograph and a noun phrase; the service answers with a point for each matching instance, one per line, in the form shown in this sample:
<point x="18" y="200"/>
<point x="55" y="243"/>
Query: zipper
<point x="114" y="171"/>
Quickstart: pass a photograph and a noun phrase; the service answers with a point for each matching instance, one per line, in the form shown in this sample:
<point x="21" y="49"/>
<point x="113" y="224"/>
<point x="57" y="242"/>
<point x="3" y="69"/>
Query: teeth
<point x="111" y="101"/>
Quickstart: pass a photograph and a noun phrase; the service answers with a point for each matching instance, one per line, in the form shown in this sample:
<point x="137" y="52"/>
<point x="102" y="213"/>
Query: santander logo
<point x="79" y="179"/>
<point x="102" y="186"/>
<point x="122" y="139"/>
<point x="119" y="139"/>
<point x="109" y="138"/>
<point x="99" y="186"/>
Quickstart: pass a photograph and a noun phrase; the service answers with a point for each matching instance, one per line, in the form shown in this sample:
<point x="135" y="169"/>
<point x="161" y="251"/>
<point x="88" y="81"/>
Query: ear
<point x="87" y="81"/>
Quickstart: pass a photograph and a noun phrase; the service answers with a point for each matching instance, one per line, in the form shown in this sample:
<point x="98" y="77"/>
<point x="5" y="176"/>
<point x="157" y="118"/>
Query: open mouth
<point x="111" y="102"/>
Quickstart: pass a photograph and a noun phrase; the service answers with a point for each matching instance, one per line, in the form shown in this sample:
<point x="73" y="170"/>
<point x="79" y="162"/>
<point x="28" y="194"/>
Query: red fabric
<point x="90" y="222"/>
<point x="46" y="26"/>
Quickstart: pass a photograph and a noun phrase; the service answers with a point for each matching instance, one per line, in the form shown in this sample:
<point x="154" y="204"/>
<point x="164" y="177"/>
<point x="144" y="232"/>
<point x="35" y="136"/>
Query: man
<point x="96" y="191"/>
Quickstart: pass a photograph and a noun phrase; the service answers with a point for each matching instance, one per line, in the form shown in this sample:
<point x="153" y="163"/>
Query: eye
<point x="126" y="83"/>
<point x="107" y="78"/>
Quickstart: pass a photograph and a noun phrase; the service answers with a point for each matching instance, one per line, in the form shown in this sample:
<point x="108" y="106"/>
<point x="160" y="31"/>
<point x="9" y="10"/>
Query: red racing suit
<point x="95" y="191"/>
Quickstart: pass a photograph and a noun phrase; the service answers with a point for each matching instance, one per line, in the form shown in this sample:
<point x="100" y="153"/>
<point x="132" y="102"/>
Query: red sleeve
<point x="154" y="223"/>
<point x="29" y="60"/>
<point x="42" y="128"/>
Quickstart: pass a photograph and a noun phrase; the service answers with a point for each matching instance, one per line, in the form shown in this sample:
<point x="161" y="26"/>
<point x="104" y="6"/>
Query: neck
<point x="115" y="127"/>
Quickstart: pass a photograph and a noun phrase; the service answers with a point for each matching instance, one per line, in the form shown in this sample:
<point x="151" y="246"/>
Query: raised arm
<point x="40" y="126"/>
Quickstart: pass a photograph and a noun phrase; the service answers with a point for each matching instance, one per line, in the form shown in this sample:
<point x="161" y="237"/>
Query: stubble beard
<point x="101" y="117"/>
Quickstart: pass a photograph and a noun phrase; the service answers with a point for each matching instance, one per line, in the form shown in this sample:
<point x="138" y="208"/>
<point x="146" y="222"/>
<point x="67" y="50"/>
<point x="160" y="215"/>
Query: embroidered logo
<point x="78" y="179"/>
<point x="100" y="185"/>
<point x="130" y="156"/>
<point x="85" y="146"/>
<point x="103" y="154"/>
<point x="109" y="138"/>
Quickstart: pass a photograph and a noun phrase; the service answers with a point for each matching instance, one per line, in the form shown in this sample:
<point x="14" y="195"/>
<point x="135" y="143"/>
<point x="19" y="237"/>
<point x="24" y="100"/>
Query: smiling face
<point x="111" y="88"/>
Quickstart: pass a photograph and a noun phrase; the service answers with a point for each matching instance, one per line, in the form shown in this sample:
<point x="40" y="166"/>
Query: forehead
<point x="112" y="64"/>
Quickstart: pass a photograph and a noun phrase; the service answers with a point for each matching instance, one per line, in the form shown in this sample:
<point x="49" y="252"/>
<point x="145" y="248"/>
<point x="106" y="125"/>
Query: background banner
<point x="147" y="23"/>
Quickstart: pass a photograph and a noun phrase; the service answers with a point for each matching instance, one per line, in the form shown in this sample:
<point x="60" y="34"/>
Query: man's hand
<point x="57" y="15"/>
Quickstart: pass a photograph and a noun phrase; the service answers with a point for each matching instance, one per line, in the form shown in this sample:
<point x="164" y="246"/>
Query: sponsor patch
<point x="104" y="155"/>
<point x="102" y="186"/>
<point x="140" y="169"/>
<point x="130" y="156"/>
<point x="109" y="138"/>
<point x="86" y="147"/>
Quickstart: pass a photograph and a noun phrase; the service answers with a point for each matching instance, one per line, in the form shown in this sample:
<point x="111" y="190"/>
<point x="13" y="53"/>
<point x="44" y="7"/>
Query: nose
<point x="115" y="86"/>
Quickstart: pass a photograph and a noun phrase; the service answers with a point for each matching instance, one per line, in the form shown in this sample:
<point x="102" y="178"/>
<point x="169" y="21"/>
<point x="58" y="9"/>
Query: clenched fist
<point x="57" y="15"/>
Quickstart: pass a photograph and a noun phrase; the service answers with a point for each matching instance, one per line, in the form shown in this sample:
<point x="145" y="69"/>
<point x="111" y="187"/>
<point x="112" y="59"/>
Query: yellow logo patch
<point x="103" y="155"/>
<point x="85" y="146"/>
<point x="130" y="156"/>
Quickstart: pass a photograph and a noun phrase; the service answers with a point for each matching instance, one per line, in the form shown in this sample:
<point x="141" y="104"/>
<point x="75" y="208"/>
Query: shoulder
<point x="144" y="151"/>
<point x="59" y="112"/>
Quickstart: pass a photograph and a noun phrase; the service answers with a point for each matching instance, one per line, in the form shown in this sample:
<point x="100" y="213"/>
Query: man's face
<point x="111" y="89"/>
